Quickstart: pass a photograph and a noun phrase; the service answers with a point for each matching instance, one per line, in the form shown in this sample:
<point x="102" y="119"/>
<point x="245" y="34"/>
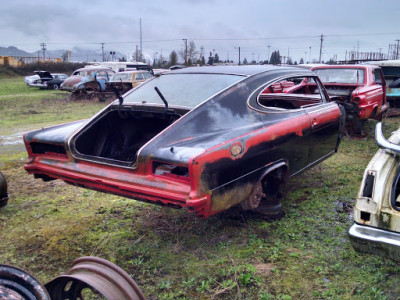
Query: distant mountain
<point x="13" y="51"/>
<point x="77" y="54"/>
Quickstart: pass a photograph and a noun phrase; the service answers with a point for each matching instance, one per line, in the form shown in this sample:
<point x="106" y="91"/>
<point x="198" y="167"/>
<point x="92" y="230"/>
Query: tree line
<point x="190" y="55"/>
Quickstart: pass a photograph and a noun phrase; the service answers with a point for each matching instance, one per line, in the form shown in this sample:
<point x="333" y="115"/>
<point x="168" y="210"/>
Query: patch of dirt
<point x="264" y="270"/>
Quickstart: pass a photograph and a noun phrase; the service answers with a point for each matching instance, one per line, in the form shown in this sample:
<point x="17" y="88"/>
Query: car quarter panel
<point x="206" y="136"/>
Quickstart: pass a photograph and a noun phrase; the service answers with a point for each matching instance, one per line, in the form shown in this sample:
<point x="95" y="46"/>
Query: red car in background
<point x="360" y="88"/>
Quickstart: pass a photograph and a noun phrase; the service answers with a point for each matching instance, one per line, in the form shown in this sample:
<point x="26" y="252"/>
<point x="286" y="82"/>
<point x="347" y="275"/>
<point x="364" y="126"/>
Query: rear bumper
<point x="375" y="241"/>
<point x="41" y="85"/>
<point x="120" y="181"/>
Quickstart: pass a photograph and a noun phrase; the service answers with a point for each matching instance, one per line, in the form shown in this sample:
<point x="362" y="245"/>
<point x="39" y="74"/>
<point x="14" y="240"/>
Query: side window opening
<point x="291" y="93"/>
<point x="377" y="77"/>
<point x="139" y="76"/>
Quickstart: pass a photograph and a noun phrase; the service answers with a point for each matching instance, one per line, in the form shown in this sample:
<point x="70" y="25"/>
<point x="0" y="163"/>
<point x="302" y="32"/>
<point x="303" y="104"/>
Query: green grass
<point x="171" y="253"/>
<point x="24" y="107"/>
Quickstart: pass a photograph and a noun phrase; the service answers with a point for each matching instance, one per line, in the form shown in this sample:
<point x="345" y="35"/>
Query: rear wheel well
<point x="272" y="180"/>
<point x="267" y="188"/>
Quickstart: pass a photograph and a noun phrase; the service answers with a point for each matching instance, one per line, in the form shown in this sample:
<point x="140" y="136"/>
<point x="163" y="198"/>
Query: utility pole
<point x="102" y="50"/>
<point x="397" y="50"/>
<point x="320" y="48"/>
<point x="239" y="55"/>
<point x="202" y="52"/>
<point x="155" y="59"/>
<point x="141" y="48"/>
<point x="310" y="56"/>
<point x="269" y="56"/>
<point x="68" y="54"/>
<point x="288" y="53"/>
<point x="43" y="45"/>
<point x="185" y="51"/>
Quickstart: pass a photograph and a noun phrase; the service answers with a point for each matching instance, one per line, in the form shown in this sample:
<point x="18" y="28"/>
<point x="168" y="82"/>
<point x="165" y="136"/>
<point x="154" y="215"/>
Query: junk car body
<point x="360" y="88"/>
<point x="391" y="72"/>
<point x="124" y="81"/>
<point x="31" y="78"/>
<point x="45" y="80"/>
<point x="204" y="138"/>
<point x="122" y="66"/>
<point x="376" y="227"/>
<point x="87" y="80"/>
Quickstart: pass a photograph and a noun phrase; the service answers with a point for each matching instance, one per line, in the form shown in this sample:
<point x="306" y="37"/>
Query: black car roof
<point x="239" y="70"/>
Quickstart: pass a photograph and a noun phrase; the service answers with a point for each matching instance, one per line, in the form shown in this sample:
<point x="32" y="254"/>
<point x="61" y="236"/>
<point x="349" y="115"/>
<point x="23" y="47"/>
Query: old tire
<point x="3" y="191"/>
<point x="19" y="284"/>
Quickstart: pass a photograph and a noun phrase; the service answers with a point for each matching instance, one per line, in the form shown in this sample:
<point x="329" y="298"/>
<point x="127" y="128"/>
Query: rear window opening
<point x="117" y="136"/>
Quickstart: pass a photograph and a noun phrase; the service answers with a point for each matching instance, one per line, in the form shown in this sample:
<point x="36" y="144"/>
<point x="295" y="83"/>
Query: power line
<point x="223" y="39"/>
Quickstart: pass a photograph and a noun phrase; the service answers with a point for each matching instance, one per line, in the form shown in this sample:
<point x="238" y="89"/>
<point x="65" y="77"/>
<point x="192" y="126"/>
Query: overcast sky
<point x="220" y="26"/>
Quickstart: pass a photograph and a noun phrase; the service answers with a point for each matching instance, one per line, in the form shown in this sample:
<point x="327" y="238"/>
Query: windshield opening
<point x="341" y="75"/>
<point x="82" y="73"/>
<point x="182" y="89"/>
<point x="121" y="77"/>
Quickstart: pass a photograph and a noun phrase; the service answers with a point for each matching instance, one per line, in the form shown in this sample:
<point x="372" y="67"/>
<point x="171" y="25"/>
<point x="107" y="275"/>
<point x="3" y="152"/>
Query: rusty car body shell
<point x="91" y="79"/>
<point x="207" y="157"/>
<point x="376" y="227"/>
<point x="45" y="80"/>
<point x="363" y="99"/>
